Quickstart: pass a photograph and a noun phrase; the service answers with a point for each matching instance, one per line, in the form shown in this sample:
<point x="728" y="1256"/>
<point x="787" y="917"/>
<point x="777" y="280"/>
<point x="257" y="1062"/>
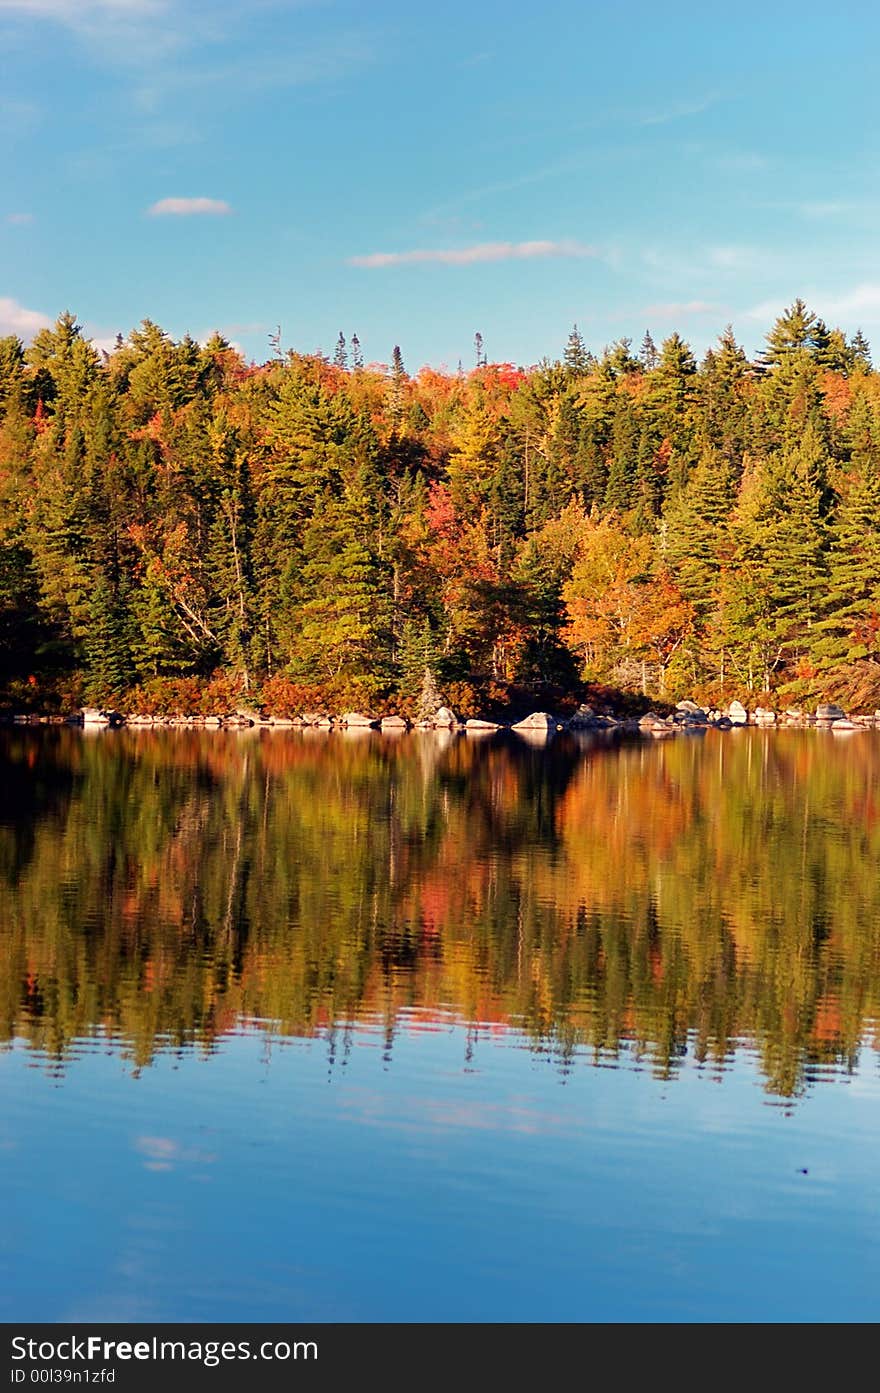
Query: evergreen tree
<point x="577" y="357"/>
<point x="648" y="355"/>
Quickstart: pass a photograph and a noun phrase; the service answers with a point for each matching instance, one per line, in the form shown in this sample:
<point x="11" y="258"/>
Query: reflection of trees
<point x="163" y="886"/>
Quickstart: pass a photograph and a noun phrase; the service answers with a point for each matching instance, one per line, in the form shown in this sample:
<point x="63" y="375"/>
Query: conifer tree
<point x="577" y="357"/>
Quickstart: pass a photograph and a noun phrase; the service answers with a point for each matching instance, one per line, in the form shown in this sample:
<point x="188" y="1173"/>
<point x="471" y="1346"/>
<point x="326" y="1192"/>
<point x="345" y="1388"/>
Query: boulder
<point x="828" y="711"/>
<point x="651" y="721"/>
<point x="249" y="713"/>
<point x="477" y="726"/>
<point x="723" y="723"/>
<point x="358" y="720"/>
<point x="91" y="716"/>
<point x="737" y="714"/>
<point x="690" y="708"/>
<point x="539" y="720"/>
<point x="444" y="717"/>
<point x="585" y="718"/>
<point x="843" y="724"/>
<point x="763" y="716"/>
<point x="394" y="723"/>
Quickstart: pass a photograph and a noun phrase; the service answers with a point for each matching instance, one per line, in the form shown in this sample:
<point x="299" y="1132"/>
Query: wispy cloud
<point x="676" y="111"/>
<point x="469" y="256"/>
<point x="189" y="207"/>
<point x="17" y="319"/>
<point x="849" y="307"/>
<point x="672" y="309"/>
<point x="75" y="11"/>
<point x="19" y="219"/>
<point x="129" y="33"/>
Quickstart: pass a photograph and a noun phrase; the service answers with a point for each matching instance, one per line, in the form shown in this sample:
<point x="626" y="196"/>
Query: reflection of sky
<point x="264" y="1182"/>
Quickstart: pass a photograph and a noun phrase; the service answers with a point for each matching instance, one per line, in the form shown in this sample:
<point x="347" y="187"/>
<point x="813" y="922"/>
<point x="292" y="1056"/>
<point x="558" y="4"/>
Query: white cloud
<point x="19" y="219"/>
<point x="75" y="11"/>
<point x="850" y="307"/>
<point x="17" y="319"/>
<point x="469" y="256"/>
<point x="189" y="207"/>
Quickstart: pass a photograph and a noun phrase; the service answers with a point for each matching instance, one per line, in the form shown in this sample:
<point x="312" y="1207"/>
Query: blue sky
<point x="417" y="173"/>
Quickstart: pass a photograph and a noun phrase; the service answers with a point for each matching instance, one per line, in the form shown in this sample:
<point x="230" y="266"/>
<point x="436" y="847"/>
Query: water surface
<point x="301" y="1026"/>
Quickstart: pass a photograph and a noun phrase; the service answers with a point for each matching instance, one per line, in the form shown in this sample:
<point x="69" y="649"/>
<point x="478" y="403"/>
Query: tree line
<point x="180" y="529"/>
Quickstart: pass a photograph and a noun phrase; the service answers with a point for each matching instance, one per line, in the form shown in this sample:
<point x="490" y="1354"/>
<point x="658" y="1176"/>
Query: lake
<point x="305" y="1026"/>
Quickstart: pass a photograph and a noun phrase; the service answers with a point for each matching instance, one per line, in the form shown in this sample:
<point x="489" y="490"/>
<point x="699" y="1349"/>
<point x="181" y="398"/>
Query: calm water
<point x="354" y="1028"/>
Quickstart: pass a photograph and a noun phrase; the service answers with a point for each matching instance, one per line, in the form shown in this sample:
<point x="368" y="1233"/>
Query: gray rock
<point x="358" y="720"/>
<point x="538" y="720"/>
<point x="394" y="723"/>
<point x="737" y="714"/>
<point x="690" y="708"/>
<point x="444" y="717"/>
<point x="828" y="711"/>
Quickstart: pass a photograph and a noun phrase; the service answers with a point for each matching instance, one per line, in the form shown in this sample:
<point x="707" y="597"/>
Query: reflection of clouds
<point x="431" y="1115"/>
<point x="164" y="1153"/>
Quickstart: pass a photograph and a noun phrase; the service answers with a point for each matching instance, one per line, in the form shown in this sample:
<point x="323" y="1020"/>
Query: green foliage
<point x="167" y="510"/>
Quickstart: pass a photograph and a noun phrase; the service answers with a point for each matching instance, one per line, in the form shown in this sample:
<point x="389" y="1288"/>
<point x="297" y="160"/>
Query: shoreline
<point x="687" y="717"/>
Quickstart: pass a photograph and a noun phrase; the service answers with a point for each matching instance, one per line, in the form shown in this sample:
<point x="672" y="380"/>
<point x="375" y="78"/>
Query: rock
<point x="214" y="722"/>
<point x="356" y="719"/>
<point x="585" y="718"/>
<point x="723" y="723"/>
<point x="394" y="723"/>
<point x="539" y="720"/>
<point x="444" y="717"/>
<point x="690" y="708"/>
<point x="477" y="725"/>
<point x="843" y="724"/>
<point x="828" y="711"/>
<point x="324" y="723"/>
<point x="651" y="721"/>
<point x="286" y="723"/>
<point x="91" y="716"/>
<point x="737" y="714"/>
<point x="763" y="716"/>
<point x="248" y="713"/>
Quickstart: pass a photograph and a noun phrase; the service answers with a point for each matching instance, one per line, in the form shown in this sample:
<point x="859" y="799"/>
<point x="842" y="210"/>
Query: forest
<point x="182" y="530"/>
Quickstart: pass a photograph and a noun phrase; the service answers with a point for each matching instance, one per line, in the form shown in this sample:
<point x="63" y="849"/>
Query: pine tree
<point x="357" y="357"/>
<point x="648" y="355"/>
<point x="577" y="357"/>
<point x="860" y="351"/>
<point x="340" y="357"/>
